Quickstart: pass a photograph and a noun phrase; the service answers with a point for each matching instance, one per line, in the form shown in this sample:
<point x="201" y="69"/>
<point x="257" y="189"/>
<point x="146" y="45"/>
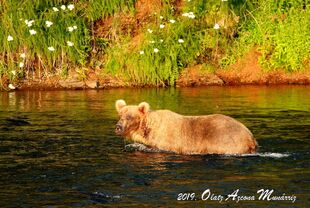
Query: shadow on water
<point x="58" y="149"/>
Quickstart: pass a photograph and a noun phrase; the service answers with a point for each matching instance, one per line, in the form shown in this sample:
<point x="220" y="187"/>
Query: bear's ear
<point x="144" y="107"/>
<point x="119" y="104"/>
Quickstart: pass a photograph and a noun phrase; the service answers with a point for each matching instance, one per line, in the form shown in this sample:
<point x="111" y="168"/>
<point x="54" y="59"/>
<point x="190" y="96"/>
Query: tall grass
<point x="97" y="9"/>
<point x="172" y="42"/>
<point x="71" y="46"/>
<point x="208" y="32"/>
<point x="35" y="47"/>
<point x="279" y="30"/>
<point x="160" y="56"/>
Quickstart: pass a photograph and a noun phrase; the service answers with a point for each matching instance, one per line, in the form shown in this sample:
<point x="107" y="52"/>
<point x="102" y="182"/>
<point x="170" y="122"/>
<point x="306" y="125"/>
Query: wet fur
<point x="169" y="131"/>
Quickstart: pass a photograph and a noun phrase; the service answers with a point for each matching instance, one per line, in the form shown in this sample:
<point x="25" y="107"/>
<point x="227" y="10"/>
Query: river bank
<point x="143" y="43"/>
<point x="153" y="43"/>
<point x="191" y="78"/>
<point x="246" y="71"/>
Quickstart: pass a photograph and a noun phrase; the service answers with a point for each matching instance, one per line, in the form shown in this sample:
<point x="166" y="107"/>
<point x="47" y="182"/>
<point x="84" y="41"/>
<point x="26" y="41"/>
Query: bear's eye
<point x="128" y="117"/>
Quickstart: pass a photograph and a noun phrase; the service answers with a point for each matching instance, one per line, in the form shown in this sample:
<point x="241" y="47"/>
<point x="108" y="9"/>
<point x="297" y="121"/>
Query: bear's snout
<point x="119" y="129"/>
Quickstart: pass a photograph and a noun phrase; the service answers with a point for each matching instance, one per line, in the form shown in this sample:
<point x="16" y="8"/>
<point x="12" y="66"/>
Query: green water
<point x="58" y="149"/>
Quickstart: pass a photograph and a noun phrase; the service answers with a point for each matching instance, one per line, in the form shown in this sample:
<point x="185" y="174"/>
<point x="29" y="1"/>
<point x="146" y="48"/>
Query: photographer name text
<point x="236" y="196"/>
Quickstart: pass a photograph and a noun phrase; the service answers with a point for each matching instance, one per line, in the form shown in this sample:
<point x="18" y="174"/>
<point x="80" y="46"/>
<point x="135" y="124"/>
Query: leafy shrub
<point x="280" y="31"/>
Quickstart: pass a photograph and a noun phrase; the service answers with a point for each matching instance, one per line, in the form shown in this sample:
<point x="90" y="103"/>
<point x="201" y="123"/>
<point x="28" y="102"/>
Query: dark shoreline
<point x="246" y="71"/>
<point x="190" y="77"/>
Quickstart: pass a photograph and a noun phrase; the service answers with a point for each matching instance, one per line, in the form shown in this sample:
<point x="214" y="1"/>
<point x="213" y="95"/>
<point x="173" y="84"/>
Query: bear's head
<point x="130" y="116"/>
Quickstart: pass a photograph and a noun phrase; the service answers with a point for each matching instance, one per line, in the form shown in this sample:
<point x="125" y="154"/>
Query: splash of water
<point x="265" y="154"/>
<point x="143" y="148"/>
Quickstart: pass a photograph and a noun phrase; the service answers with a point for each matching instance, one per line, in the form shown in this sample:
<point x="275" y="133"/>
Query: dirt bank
<point x="246" y="71"/>
<point x="191" y="78"/>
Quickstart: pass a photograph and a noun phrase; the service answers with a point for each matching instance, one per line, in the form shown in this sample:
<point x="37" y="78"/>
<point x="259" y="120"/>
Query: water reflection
<point x="58" y="148"/>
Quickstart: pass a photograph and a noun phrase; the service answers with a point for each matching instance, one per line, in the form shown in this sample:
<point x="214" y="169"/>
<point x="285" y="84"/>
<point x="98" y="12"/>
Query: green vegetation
<point x="29" y="43"/>
<point x="172" y="42"/>
<point x="41" y="38"/>
<point x="48" y="37"/>
<point x="96" y="9"/>
<point x="168" y="45"/>
<point x="279" y="30"/>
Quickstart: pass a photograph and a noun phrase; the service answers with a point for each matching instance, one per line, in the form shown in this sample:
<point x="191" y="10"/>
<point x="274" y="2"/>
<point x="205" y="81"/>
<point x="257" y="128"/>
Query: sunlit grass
<point x="279" y="30"/>
<point x="97" y="9"/>
<point x="51" y="37"/>
<point x="172" y="42"/>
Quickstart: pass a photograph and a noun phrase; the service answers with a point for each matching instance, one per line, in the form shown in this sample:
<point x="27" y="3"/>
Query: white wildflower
<point x="48" y="23"/>
<point x="10" y="38"/>
<point x="32" y="32"/>
<point x="51" y="48"/>
<point x="191" y="15"/>
<point x="69" y="43"/>
<point x="11" y="86"/>
<point x="22" y="55"/>
<point x="13" y="72"/>
<point x="161" y="26"/>
<point x="181" y="41"/>
<point x="70" y="7"/>
<point x="149" y="30"/>
<point x="55" y="9"/>
<point x="172" y="21"/>
<point x="21" y="64"/>
<point x="63" y="7"/>
<point x="161" y="40"/>
<point x="161" y="17"/>
<point x="156" y="50"/>
<point x="71" y="28"/>
<point x="141" y="52"/>
<point x="29" y="22"/>
<point x="216" y="26"/>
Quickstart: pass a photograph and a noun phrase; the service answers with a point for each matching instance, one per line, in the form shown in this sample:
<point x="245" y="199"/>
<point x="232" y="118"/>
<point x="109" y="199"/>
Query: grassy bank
<point x="149" y="42"/>
<point x="41" y="38"/>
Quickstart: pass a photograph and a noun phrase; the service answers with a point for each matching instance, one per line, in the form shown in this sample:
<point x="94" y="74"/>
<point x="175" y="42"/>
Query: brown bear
<point x="169" y="131"/>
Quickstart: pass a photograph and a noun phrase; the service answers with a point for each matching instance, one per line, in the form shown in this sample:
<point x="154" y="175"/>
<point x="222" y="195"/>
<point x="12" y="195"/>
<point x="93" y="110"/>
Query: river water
<point x="58" y="149"/>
